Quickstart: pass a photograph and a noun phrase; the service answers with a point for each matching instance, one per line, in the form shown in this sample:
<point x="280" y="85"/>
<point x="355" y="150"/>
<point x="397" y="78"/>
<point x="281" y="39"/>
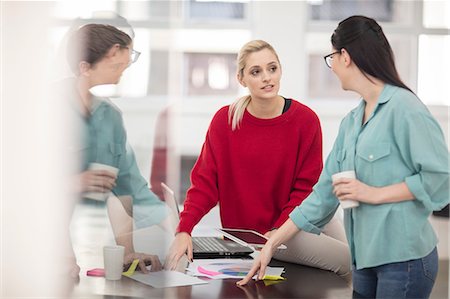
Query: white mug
<point x="349" y="174"/>
<point x="113" y="256"/>
<point x="100" y="196"/>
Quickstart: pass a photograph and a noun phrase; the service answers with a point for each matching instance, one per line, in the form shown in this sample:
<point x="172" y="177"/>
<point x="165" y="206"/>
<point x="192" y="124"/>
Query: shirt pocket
<point x="374" y="163"/>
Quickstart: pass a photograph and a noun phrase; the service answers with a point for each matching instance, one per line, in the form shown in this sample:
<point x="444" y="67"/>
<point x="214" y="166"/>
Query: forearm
<point x="284" y="233"/>
<point x="121" y="223"/>
<point x="394" y="193"/>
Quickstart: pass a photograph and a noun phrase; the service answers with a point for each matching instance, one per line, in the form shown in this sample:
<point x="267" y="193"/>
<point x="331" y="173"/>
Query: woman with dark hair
<point x="99" y="54"/>
<point x="401" y="160"/>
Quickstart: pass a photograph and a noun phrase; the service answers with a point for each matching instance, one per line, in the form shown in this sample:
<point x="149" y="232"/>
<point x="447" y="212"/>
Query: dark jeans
<point x="410" y="279"/>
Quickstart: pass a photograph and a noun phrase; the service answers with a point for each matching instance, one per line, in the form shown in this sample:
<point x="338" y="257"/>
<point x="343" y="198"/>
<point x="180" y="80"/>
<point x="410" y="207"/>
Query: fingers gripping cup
<point x="113" y="261"/>
<point x="350" y="174"/>
<point x="100" y="196"/>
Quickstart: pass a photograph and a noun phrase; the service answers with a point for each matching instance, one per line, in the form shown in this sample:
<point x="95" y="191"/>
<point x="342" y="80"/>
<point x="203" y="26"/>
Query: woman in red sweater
<point x="261" y="157"/>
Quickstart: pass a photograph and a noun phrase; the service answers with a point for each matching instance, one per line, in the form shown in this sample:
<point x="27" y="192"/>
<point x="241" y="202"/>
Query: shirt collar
<point x="385" y="96"/>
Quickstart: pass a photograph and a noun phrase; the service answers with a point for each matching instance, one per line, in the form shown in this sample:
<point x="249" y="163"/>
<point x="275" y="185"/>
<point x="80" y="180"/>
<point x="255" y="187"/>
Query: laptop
<point x="205" y="247"/>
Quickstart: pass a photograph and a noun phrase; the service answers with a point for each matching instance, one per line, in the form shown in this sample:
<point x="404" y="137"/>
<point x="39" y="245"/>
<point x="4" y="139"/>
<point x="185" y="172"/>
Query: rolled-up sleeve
<point x="423" y="146"/>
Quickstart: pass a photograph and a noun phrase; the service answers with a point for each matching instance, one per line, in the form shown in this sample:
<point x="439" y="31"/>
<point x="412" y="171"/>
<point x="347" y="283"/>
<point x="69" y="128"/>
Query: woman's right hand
<point x="96" y="181"/>
<point x="180" y="246"/>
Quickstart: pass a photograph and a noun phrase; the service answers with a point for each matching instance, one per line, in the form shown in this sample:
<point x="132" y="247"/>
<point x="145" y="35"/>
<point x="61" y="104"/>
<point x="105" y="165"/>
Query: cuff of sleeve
<point x="185" y="227"/>
<point x="302" y="223"/>
<point x="414" y="184"/>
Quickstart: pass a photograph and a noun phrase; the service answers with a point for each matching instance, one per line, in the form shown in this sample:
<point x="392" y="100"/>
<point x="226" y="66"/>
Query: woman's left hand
<point x="354" y="189"/>
<point x="144" y="259"/>
<point x="259" y="264"/>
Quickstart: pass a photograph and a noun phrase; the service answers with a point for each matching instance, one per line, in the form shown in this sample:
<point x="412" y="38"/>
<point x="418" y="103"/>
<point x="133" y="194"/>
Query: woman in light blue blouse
<point x="401" y="160"/>
<point x="99" y="54"/>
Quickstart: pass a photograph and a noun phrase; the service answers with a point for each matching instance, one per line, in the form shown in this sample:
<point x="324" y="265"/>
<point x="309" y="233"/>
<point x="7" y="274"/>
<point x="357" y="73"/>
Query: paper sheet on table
<point x="226" y="268"/>
<point x="165" y="279"/>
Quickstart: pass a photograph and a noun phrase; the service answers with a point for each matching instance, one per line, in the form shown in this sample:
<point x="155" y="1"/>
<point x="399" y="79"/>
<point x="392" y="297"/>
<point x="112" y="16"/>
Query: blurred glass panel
<point x="134" y="81"/>
<point x="436" y="13"/>
<point x="381" y="10"/>
<point x="58" y="53"/>
<point x="210" y="74"/>
<point x="213" y="10"/>
<point x="434" y="59"/>
<point x="159" y="73"/>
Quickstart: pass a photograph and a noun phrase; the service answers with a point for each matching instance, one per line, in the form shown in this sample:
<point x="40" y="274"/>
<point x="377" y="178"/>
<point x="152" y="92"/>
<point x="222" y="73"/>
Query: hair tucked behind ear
<point x="237" y="109"/>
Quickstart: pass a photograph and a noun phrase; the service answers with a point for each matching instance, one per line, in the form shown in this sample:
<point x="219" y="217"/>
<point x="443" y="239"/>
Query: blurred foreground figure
<point x="98" y="54"/>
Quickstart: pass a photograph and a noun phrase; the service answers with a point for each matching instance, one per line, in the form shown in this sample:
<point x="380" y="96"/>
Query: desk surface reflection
<point x="302" y="282"/>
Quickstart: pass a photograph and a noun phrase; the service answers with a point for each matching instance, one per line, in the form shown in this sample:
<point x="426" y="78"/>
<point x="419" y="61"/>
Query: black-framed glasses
<point x="329" y="57"/>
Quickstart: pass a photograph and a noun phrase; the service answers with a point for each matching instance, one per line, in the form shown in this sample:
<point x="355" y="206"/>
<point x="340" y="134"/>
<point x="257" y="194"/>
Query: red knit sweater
<point x="258" y="173"/>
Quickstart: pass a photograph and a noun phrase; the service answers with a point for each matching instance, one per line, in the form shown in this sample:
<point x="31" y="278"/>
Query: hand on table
<point x="260" y="264"/>
<point x="181" y="245"/>
<point x="144" y="260"/>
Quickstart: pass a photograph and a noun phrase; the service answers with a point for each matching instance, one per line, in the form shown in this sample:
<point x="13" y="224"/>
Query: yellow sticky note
<point x="273" y="277"/>
<point x="132" y="268"/>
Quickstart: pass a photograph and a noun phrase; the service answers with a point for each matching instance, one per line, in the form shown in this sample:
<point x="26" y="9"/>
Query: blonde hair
<point x="236" y="111"/>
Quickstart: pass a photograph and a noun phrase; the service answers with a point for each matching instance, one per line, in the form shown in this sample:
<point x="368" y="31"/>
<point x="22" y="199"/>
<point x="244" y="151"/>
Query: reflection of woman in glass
<point x="260" y="159"/>
<point x="401" y="161"/>
<point x="99" y="54"/>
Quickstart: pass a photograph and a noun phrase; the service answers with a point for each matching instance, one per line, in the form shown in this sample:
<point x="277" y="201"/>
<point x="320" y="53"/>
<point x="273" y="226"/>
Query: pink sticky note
<point x="96" y="272"/>
<point x="207" y="272"/>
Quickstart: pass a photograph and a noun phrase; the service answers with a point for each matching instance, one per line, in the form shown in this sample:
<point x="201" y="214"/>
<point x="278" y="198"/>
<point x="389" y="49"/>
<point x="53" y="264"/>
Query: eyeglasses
<point x="329" y="58"/>
<point x="134" y="55"/>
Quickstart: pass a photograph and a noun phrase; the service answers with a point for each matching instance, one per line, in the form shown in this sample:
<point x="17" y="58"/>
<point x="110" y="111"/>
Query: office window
<point x="210" y="74"/>
<point x="436" y="14"/>
<point x="434" y="57"/>
<point x="83" y="9"/>
<point x="381" y="10"/>
<point x="145" y="10"/>
<point x="213" y="10"/>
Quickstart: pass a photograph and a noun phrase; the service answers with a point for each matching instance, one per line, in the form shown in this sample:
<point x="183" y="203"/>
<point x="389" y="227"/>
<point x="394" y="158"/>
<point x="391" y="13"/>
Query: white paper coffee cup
<point x="100" y="196"/>
<point x="349" y="174"/>
<point x="113" y="256"/>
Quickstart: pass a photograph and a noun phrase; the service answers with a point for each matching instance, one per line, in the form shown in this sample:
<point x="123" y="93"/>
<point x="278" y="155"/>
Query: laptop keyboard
<point x="208" y="244"/>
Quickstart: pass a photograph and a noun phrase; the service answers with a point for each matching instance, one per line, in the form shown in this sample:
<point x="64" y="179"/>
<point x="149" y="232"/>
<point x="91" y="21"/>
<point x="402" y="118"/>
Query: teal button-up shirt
<point x="400" y="142"/>
<point x="104" y="140"/>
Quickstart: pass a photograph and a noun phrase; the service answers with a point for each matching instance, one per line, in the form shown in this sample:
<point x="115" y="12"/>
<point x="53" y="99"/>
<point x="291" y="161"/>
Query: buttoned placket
<point x="358" y="130"/>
